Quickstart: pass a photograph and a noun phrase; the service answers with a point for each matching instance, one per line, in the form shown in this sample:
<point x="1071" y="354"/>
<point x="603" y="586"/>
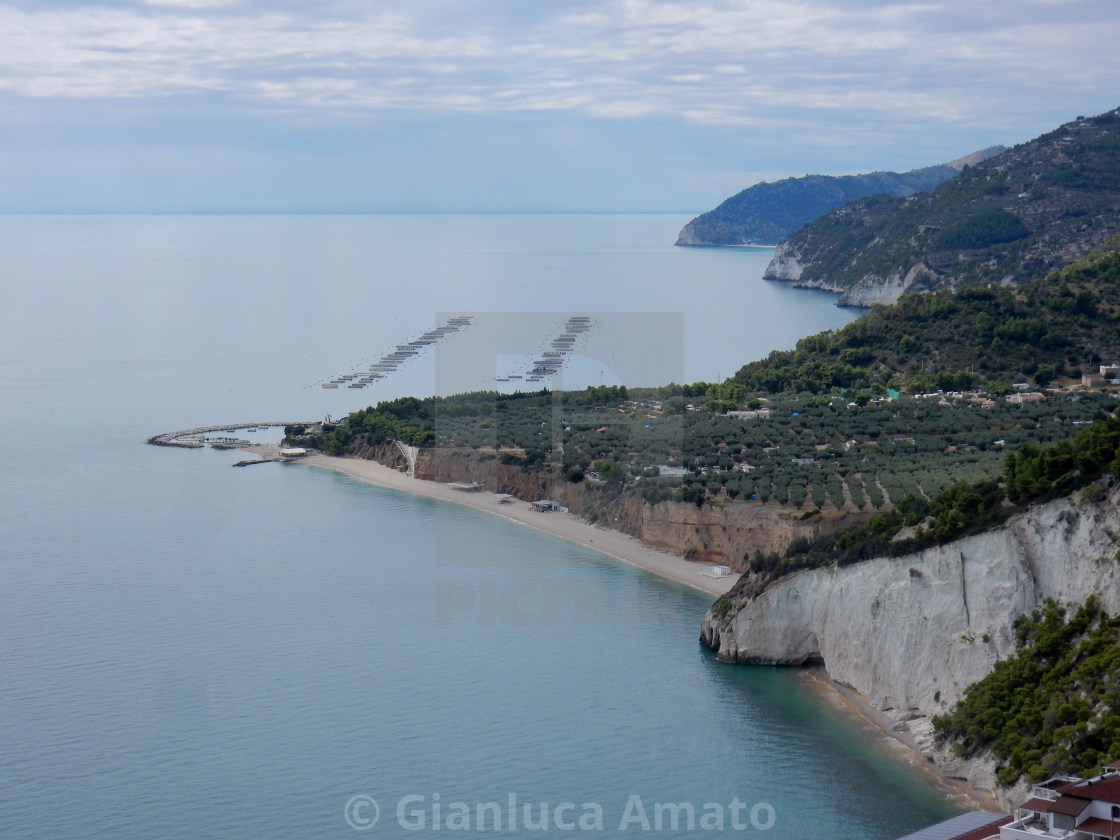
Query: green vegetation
<point x="1031" y="475"/>
<point x="988" y="227"/>
<point x="810" y="452"/>
<point x="767" y="213"/>
<point x="1034" y="474"/>
<point x="407" y="419"/>
<point x="825" y="427"/>
<point x="1054" y="707"/>
<point x="807" y="446"/>
<point x="1058" y="325"/>
<point x="1012" y="218"/>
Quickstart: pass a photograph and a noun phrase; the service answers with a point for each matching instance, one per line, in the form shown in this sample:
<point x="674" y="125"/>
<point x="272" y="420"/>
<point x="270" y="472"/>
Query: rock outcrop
<point x="911" y="633"/>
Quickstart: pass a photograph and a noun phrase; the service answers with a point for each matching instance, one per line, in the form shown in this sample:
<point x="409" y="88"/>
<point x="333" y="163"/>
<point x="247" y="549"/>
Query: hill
<point x="1063" y="324"/>
<point x="767" y="213"/>
<point x="1005" y="220"/>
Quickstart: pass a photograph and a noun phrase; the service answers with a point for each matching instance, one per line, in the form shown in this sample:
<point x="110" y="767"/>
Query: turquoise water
<point x="189" y="650"/>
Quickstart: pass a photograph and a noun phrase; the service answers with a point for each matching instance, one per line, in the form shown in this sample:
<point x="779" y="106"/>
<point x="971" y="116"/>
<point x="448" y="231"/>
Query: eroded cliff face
<point x="721" y="532"/>
<point x="911" y="633"/>
<point x="791" y="259"/>
<point x="786" y="265"/>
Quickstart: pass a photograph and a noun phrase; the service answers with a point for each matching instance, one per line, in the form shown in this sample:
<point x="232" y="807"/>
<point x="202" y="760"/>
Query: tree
<point x="724" y="396"/>
<point x="612" y="473"/>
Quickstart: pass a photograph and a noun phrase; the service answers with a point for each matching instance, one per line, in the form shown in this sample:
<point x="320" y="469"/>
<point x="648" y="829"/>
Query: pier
<point x="172" y="438"/>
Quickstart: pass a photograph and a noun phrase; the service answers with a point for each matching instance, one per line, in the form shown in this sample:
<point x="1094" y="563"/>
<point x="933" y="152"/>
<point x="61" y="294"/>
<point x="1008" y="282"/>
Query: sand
<point x="614" y="544"/>
<point x="630" y="551"/>
<point x="881" y="727"/>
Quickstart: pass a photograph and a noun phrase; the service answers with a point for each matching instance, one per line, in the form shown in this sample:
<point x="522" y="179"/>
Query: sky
<point x="518" y="105"/>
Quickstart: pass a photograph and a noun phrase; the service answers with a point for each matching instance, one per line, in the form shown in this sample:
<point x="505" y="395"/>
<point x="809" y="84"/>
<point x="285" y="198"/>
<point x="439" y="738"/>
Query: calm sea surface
<point x="189" y="650"/>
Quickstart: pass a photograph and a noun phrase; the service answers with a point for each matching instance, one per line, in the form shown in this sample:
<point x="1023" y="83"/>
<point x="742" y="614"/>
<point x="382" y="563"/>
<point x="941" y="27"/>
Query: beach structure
<point x="546" y="505"/>
<point x="293" y="452"/>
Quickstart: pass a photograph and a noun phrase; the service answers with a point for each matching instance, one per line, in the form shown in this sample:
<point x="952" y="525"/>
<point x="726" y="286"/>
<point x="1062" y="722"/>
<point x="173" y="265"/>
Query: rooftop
<point x="971" y="825"/>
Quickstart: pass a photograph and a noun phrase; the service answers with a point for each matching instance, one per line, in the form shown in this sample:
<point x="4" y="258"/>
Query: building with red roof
<point x="1070" y="808"/>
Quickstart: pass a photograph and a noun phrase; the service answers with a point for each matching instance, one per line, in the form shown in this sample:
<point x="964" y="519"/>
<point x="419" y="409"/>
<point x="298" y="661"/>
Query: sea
<point x="190" y="650"/>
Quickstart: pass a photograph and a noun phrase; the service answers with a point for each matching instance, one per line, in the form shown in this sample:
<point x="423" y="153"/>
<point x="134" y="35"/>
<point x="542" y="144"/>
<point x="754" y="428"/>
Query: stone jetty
<point x="172" y="438"/>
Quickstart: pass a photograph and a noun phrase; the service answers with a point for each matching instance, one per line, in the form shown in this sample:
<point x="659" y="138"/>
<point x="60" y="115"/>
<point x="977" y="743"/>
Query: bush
<point x="1049" y="710"/>
<point x="988" y="227"/>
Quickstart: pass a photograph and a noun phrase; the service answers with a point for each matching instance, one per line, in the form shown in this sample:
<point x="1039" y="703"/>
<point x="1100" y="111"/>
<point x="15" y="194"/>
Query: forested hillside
<point x="1010" y="219"/>
<point x="767" y="213"/>
<point x="1061" y="325"/>
<point x="1052" y="709"/>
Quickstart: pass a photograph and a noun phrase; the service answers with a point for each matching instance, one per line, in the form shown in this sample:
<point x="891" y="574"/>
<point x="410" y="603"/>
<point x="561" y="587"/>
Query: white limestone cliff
<point x="784" y="265"/>
<point x="911" y="633"/>
<point x="789" y="264"/>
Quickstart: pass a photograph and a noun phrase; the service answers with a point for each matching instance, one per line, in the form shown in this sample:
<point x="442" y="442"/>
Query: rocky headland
<point x="1005" y="220"/>
<point x="911" y="633"/>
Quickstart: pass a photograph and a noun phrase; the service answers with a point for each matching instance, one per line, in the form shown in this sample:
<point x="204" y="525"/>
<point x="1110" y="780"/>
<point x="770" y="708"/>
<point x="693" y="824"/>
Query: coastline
<point x="898" y="743"/>
<point x="630" y="551"/>
<point x="615" y="544"/>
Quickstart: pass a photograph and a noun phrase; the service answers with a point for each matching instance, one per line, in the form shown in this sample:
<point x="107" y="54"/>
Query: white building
<point x="1069" y="808"/>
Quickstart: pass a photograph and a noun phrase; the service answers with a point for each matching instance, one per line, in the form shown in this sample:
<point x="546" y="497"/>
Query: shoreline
<point x="898" y="743"/>
<point x="614" y="544"/>
<point x="630" y="551"/>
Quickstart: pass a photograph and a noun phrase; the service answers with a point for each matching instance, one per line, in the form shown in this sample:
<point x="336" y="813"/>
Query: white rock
<point x="911" y="633"/>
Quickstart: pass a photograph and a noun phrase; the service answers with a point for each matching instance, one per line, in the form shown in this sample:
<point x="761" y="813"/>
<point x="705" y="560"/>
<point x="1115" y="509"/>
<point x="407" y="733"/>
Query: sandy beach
<point x="614" y="544"/>
<point x="630" y="551"/>
<point x="881" y="727"/>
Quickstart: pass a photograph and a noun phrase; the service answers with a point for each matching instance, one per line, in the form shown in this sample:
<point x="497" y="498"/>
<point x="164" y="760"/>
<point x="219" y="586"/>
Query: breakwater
<point x="172" y="438"/>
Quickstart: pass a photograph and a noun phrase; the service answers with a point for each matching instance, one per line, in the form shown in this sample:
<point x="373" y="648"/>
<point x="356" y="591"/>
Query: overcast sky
<point x="518" y="105"/>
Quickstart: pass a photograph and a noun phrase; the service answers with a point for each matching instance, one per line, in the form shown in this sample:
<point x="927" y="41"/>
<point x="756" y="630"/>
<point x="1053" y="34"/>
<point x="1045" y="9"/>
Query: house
<point x="1070" y="808"/>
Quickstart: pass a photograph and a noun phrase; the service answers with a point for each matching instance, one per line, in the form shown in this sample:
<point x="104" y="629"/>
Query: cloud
<point x="190" y="4"/>
<point x="719" y="61"/>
